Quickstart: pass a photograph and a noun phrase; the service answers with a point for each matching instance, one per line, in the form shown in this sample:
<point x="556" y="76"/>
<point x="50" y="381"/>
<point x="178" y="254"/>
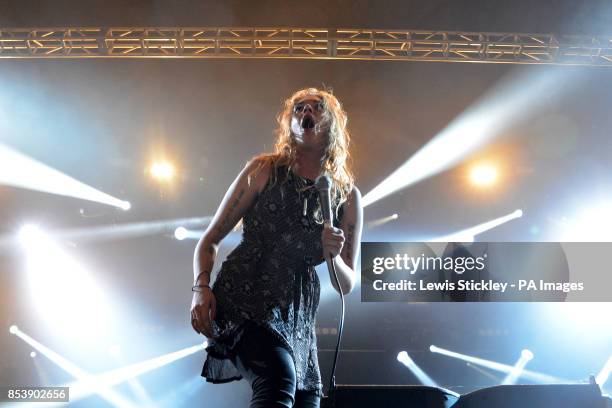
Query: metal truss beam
<point x="305" y="43"/>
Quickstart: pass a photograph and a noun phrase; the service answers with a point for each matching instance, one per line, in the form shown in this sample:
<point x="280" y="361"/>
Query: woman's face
<point x="307" y="124"/>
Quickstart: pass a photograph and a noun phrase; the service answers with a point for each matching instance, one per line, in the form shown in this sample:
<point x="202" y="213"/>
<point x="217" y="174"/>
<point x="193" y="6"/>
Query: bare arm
<point x="349" y="237"/>
<point x="237" y="200"/>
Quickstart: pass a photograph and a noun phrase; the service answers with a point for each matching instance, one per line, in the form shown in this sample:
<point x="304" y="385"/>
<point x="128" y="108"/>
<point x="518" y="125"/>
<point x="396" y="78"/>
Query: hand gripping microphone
<point x="323" y="185"/>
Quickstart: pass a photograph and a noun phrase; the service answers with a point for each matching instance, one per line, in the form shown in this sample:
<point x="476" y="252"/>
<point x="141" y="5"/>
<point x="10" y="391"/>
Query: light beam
<point x="504" y="368"/>
<point x="406" y="360"/>
<point x="507" y="104"/>
<point x="468" y="234"/>
<point x="18" y="170"/>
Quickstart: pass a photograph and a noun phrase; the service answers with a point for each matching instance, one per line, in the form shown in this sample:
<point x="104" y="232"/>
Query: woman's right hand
<point x="203" y="311"/>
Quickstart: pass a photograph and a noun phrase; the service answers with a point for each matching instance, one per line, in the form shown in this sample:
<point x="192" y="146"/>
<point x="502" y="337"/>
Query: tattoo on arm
<point x="232" y="207"/>
<point x="349" y="241"/>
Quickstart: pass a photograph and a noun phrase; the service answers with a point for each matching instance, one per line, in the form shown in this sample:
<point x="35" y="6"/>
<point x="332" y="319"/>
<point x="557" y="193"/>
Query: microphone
<point x="323" y="186"/>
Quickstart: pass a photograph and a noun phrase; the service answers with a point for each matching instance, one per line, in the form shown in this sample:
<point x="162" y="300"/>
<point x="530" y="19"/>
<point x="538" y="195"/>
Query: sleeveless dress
<point x="269" y="280"/>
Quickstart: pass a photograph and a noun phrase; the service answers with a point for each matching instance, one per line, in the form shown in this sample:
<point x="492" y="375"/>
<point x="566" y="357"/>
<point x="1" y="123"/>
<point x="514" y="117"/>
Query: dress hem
<point x="229" y="352"/>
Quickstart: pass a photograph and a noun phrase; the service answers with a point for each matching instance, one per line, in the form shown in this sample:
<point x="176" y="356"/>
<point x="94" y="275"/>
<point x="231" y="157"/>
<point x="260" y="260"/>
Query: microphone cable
<point x="332" y="381"/>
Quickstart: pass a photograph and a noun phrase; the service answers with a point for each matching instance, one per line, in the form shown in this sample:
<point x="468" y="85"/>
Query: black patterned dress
<point x="269" y="280"/>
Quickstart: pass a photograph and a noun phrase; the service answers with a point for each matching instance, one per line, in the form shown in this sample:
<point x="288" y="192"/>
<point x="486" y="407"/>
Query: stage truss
<point x="305" y="43"/>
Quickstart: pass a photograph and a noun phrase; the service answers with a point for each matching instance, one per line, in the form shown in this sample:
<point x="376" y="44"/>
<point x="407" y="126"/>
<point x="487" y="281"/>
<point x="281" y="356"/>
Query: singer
<point x="259" y="315"/>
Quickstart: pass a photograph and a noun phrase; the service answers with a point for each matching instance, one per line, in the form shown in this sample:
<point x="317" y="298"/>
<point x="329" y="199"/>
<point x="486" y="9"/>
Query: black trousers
<point x="270" y="370"/>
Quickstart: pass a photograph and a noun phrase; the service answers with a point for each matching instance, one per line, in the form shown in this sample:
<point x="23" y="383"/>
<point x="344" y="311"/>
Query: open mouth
<point x="308" y="122"/>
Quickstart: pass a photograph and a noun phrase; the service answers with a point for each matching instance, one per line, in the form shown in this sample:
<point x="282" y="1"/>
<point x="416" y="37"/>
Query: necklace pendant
<point x="305" y="206"/>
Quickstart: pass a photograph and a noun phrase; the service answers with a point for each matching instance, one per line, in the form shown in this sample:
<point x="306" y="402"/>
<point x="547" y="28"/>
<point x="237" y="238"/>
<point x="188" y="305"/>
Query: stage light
<point x="126" y="205"/>
<point x="21" y="171"/>
<point x="162" y="171"/>
<point x="88" y="384"/>
<point x="483" y="175"/>
<point x="527" y="354"/>
<point x="13" y="329"/>
<point x="468" y="234"/>
<point x="504" y="368"/>
<point x="519" y="367"/>
<point x="113" y="232"/>
<point x="502" y="107"/>
<point x="81" y="389"/>
<point x="183" y="233"/>
<point x="33" y="354"/>
<point x="180" y="233"/>
<point x="406" y="360"/>
<point x="72" y="302"/>
<point x="114" y="351"/>
<point x="28" y="233"/>
<point x="604" y="374"/>
<point x="85" y="378"/>
<point x="383" y="220"/>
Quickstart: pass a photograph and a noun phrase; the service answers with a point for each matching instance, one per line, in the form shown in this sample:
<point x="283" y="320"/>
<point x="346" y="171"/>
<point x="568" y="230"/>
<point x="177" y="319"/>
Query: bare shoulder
<point x="355" y="194"/>
<point x="354" y="198"/>
<point x="257" y="172"/>
<point x="352" y="208"/>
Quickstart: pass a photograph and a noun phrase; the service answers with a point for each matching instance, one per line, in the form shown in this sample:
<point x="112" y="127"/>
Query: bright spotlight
<point x="61" y="286"/>
<point x="33" y="354"/>
<point x="483" y="175"/>
<point x="114" y="351"/>
<point x="162" y="171"/>
<point x="402" y="356"/>
<point x="180" y="233"/>
<point x="126" y="205"/>
<point x="28" y="233"/>
<point x="487" y="119"/>
<point x="527" y="354"/>
<point x="418" y="372"/>
<point x="383" y="220"/>
<point x="13" y="329"/>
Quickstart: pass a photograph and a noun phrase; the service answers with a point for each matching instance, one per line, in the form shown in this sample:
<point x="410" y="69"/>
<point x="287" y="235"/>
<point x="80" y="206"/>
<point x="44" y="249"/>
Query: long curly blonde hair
<point x="335" y="161"/>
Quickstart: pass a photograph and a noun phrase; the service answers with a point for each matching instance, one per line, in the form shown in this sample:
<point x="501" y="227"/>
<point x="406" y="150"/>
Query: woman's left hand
<point x="333" y="240"/>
